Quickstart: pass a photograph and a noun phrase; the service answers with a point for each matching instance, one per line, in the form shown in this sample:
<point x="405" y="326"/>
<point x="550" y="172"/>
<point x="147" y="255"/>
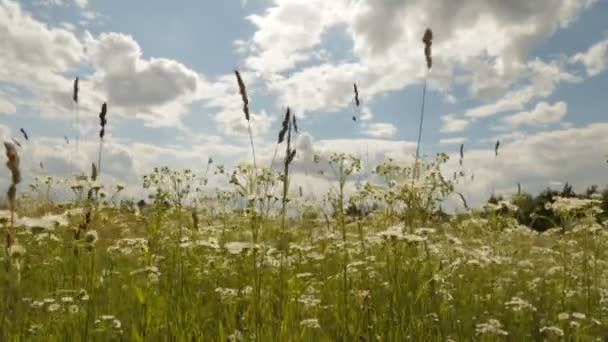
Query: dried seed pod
<point x="427" y="39"/>
<point x="285" y="125"/>
<point x="27" y="138"/>
<point x="75" y="93"/>
<point x="243" y="92"/>
<point x="102" y="120"/>
<point x="295" y="123"/>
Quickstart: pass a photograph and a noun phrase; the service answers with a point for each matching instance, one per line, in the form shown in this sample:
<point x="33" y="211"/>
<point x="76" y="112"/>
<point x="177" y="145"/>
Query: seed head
<point x="285" y="126"/>
<point x="75" y="93"/>
<point x="102" y="120"/>
<point x="427" y="39"/>
<point x="243" y="92"/>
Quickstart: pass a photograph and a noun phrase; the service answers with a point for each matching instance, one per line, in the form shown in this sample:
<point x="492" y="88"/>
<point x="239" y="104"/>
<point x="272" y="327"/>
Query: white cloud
<point x="7" y="107"/>
<point x="543" y="80"/>
<point x="486" y="41"/>
<point x="380" y="130"/>
<point x="222" y="97"/>
<point x="155" y="89"/>
<point x="595" y="59"/>
<point x="82" y="3"/>
<point x="572" y="155"/>
<point x="453" y="124"/>
<point x="542" y="114"/>
<point x="56" y="50"/>
<point x="453" y="141"/>
<point x="288" y="30"/>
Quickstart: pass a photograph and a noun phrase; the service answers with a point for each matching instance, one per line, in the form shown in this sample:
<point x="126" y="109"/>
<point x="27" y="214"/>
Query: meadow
<point x="255" y="260"/>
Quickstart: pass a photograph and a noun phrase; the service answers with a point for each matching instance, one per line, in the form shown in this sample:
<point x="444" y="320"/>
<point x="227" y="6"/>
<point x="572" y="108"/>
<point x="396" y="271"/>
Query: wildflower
<point x="237" y="335"/>
<point x="37" y="304"/>
<point x="309" y="301"/>
<point x="579" y="315"/>
<point x="54" y="307"/>
<point x="490" y="327"/>
<point x="16" y="251"/>
<point x="237" y="247"/>
<point x="91" y="237"/>
<point x="311" y="323"/>
<point x="517" y="304"/>
<point x="226" y="293"/>
<point x="552" y="330"/>
<point x="73" y="309"/>
<point x="563" y="316"/>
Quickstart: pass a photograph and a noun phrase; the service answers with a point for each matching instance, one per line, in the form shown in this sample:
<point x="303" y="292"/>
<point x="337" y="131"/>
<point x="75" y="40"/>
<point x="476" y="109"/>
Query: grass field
<point x="181" y="268"/>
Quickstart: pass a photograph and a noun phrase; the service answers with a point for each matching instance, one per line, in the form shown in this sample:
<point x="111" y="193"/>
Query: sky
<point x="530" y="74"/>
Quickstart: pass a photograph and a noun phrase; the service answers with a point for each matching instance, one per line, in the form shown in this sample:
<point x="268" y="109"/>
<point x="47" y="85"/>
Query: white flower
<point x="311" y="323"/>
<point x="579" y="315"/>
<point x="54" y="307"/>
<point x="16" y="250"/>
<point x="226" y="293"/>
<point x="490" y="327"/>
<point x="91" y="237"/>
<point x="517" y="304"/>
<point x="563" y="205"/>
<point x="236" y="247"/>
<point x="552" y="330"/>
<point x="563" y="316"/>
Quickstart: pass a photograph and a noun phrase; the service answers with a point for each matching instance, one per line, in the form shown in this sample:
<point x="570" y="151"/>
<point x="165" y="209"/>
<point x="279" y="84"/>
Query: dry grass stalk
<point x="77" y="123"/>
<point x="243" y="92"/>
<point x="75" y="92"/>
<point x="25" y="136"/>
<point x="357" y="101"/>
<point x="427" y="39"/>
<point x="461" y="154"/>
<point x="102" y="131"/>
<point x="13" y="165"/>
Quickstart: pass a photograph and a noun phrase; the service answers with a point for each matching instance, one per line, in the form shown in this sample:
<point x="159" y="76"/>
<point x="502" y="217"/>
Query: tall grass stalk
<point x="427" y="39"/>
<point x="13" y="166"/>
<point x="102" y="132"/>
<point x="245" y="99"/>
<point x="74" y="122"/>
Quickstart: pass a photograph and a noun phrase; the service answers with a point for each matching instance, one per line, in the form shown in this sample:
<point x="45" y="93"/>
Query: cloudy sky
<point x="530" y="73"/>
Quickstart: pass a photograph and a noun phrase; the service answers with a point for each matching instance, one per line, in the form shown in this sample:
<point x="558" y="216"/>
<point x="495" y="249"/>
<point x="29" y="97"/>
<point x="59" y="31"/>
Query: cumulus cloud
<point x="222" y="97"/>
<point x="56" y="50"/>
<point x="543" y="80"/>
<point x="573" y="155"/>
<point x="453" y="141"/>
<point x="82" y="3"/>
<point x="486" y="41"/>
<point x="157" y="89"/>
<point x="380" y="130"/>
<point x="595" y="59"/>
<point x="542" y="114"/>
<point x="452" y="124"/>
<point x="288" y="30"/>
<point x="6" y="107"/>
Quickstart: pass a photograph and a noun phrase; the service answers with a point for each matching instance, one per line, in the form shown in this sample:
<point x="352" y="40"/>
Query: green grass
<point x="151" y="277"/>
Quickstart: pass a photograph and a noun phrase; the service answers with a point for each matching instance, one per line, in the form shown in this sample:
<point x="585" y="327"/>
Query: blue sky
<point x="530" y="74"/>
